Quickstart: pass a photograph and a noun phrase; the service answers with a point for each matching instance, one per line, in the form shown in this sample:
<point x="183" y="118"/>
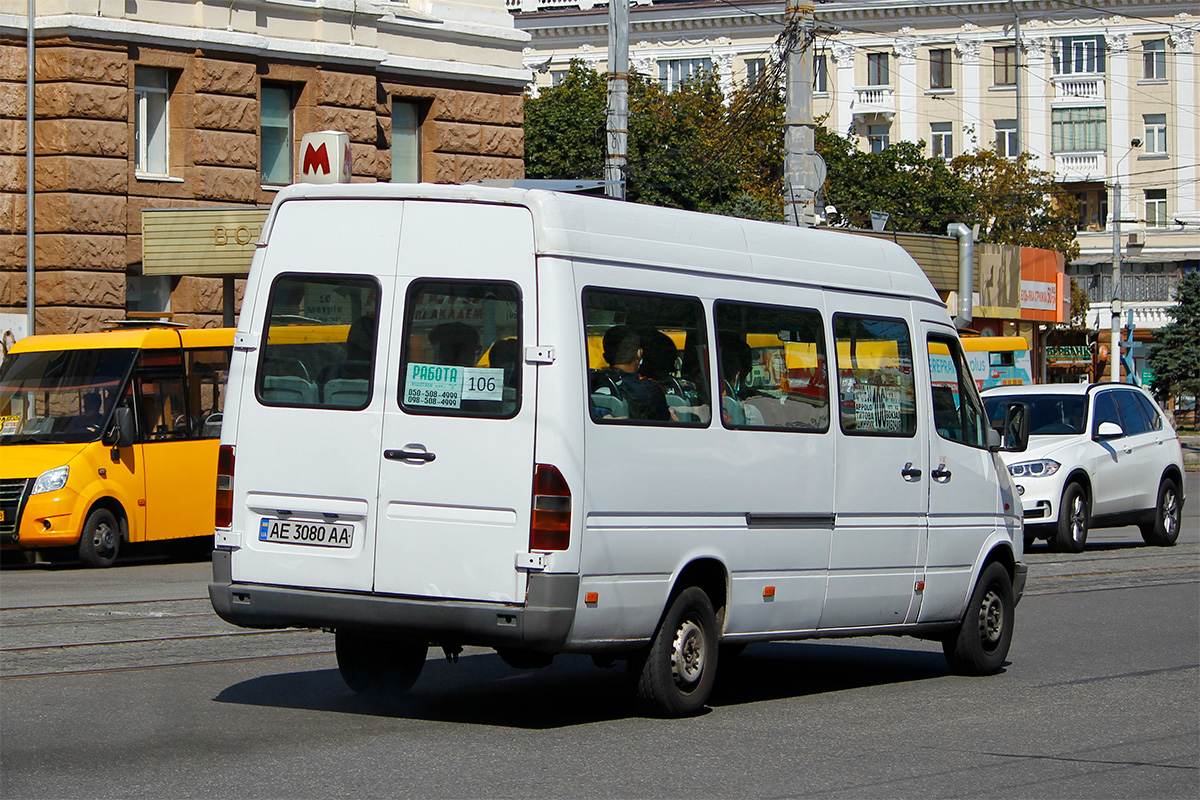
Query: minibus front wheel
<point x="980" y="643"/>
<point x="101" y="538"/>
<point x="378" y="666"/>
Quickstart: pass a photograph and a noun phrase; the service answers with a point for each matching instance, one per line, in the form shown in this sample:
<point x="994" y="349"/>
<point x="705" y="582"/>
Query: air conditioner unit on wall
<point x="1137" y="238"/>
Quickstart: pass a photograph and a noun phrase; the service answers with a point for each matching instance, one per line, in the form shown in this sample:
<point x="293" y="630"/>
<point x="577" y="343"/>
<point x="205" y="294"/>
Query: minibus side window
<point x="647" y="357"/>
<point x="876" y="393"/>
<point x="958" y="413"/>
<point x="208" y="370"/>
<point x="163" y="410"/>
<point x="771" y="368"/>
<point x="462" y="352"/>
<point x="320" y="342"/>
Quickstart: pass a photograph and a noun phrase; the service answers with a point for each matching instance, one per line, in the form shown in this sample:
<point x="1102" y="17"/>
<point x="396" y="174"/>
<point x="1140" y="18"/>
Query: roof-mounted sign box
<point x="325" y="157"/>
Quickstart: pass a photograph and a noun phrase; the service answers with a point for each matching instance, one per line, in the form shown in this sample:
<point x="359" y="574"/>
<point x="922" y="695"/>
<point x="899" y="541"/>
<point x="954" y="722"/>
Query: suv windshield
<point x="1050" y="414"/>
<point x="62" y="397"/>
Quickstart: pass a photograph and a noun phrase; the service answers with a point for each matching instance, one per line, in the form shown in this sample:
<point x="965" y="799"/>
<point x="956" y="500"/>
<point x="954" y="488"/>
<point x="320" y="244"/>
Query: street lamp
<point x="1114" y="350"/>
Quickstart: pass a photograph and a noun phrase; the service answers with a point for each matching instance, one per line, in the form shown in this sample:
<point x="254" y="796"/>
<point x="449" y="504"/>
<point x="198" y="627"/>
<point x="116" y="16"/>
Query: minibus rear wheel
<point x="101" y="539"/>
<point x="378" y="666"/>
<point x="674" y="676"/>
<point x="979" y="646"/>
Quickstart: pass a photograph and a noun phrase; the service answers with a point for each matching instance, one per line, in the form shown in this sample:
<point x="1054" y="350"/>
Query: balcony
<point x="1073" y="167"/>
<point x="873" y="100"/>
<point x="1078" y="90"/>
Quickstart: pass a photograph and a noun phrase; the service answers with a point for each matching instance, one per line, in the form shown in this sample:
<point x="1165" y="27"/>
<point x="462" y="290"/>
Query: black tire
<point x="674" y="676"/>
<point x="980" y="645"/>
<point x="1163" y="531"/>
<point x="1074" y="520"/>
<point x="378" y="666"/>
<point x="1029" y="540"/>
<point x="101" y="539"/>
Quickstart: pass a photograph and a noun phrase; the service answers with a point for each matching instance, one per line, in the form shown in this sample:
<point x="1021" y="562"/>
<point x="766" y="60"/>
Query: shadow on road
<point x="483" y="690"/>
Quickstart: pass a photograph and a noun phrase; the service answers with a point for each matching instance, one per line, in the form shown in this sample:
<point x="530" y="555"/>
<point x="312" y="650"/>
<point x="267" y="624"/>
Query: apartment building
<point x="1073" y="84"/>
<point x="202" y="104"/>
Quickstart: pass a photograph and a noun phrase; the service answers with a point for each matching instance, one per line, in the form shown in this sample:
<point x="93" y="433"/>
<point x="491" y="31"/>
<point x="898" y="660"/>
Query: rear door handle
<point x="409" y="455"/>
<point x="941" y="474"/>
<point x="910" y="473"/>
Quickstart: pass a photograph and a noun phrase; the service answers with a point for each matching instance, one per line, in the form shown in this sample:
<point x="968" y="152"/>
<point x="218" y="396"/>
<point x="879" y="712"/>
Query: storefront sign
<point x="1069" y="354"/>
<point x="1039" y="296"/>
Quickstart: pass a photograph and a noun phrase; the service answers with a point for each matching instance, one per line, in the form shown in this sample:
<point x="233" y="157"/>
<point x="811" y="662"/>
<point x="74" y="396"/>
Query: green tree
<point x="1079" y="306"/>
<point x="1176" y="358"/>
<point x="920" y="194"/>
<point x="1016" y="203"/>
<point x="687" y="148"/>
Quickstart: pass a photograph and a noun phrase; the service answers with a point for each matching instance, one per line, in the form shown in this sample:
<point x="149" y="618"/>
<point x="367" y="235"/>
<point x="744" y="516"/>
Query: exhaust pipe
<point x="966" y="272"/>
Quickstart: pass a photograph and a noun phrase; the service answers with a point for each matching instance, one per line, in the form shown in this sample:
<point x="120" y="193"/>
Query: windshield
<point x="61" y="397"/>
<point x="1050" y="414"/>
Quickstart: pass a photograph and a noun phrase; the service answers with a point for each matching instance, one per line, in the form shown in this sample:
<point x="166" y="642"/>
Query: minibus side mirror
<point x="1109" y="430"/>
<point x="1015" y="431"/>
<point x="120" y="433"/>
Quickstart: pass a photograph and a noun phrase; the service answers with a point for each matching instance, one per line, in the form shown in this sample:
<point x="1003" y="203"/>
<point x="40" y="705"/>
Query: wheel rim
<point x="1078" y="517"/>
<point x="991" y="619"/>
<point x="1170" y="518"/>
<point x="688" y="654"/>
<point x="104" y="539"/>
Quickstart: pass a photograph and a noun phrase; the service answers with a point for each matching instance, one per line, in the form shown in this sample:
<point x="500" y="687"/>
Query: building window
<point x="557" y="76"/>
<point x="1092" y="205"/>
<point x="1156" y="133"/>
<point x="674" y="73"/>
<point x="1077" y="129"/>
<point x="755" y="67"/>
<point x="942" y="140"/>
<point x="406" y="143"/>
<point x="1078" y="55"/>
<point x="877" y="69"/>
<point x="151" y="125"/>
<point x="1007" y="144"/>
<point x="1154" y="60"/>
<point x="940" y="70"/>
<point x="1156" y="208"/>
<point x="877" y="137"/>
<point x="1004" y="66"/>
<point x="820" y="75"/>
<point x="276" y="134"/>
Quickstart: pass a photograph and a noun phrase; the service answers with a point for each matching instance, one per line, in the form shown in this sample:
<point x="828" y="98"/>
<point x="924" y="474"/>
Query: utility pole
<point x="803" y="168"/>
<point x="617" y="121"/>
<point x="1114" y="347"/>
<point x="30" y="229"/>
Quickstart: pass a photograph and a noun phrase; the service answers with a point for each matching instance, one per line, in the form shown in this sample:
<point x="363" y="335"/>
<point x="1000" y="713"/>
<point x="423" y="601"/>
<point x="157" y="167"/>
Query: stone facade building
<point x="165" y="103"/>
<point x="1079" y="86"/>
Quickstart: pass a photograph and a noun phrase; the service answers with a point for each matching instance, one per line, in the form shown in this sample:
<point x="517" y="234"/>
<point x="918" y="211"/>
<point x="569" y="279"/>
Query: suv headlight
<point x="51" y="480"/>
<point x="1041" y="468"/>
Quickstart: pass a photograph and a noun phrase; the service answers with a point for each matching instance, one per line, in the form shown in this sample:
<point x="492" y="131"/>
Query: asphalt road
<point x="122" y="683"/>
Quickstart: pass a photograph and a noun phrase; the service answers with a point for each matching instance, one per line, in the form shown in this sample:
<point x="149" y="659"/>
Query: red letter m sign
<point x="315" y="157"/>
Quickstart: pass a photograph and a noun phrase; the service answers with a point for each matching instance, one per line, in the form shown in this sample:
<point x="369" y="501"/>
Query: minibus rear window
<point x="462" y="349"/>
<point x="876" y="393"/>
<point x="320" y="342"/>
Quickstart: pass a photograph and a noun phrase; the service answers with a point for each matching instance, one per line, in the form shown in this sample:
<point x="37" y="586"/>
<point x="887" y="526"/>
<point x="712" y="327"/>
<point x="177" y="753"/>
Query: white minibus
<point x="545" y="423"/>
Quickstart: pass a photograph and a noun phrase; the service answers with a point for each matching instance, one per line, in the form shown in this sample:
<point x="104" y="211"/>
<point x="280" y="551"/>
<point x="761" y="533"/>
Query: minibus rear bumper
<point x="542" y="623"/>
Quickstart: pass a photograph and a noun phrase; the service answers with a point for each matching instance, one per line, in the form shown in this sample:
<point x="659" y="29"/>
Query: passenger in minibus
<point x="455" y="344"/>
<point x="623" y="352"/>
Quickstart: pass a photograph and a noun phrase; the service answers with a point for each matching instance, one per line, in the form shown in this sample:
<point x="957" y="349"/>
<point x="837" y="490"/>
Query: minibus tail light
<point x="550" y="528"/>
<point x="224" y="518"/>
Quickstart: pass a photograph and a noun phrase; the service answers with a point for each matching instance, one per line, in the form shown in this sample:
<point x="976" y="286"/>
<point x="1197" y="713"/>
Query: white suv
<point x="1099" y="455"/>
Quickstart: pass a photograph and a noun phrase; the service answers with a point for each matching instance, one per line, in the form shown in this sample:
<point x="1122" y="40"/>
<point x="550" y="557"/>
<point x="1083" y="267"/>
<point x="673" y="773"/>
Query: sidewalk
<point x="1191" y="452"/>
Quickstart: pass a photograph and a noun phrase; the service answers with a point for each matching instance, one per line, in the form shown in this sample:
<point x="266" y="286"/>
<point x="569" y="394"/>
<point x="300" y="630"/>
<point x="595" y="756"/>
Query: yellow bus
<point x="110" y="438"/>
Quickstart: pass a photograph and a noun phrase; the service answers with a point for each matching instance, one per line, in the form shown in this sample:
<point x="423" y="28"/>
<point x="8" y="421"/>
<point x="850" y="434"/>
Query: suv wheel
<point x="1168" y="514"/>
<point x="1074" y="518"/>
